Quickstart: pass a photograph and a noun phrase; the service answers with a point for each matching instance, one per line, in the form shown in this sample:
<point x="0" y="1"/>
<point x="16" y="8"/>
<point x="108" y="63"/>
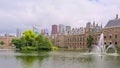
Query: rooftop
<point x="113" y="23"/>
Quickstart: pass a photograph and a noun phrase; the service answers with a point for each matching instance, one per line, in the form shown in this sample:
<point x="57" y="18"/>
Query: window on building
<point x="104" y="37"/>
<point x="95" y="38"/>
<point x="110" y="36"/>
<point x="116" y="36"/>
<point x="105" y="43"/>
<point x="110" y="43"/>
<point x="115" y="43"/>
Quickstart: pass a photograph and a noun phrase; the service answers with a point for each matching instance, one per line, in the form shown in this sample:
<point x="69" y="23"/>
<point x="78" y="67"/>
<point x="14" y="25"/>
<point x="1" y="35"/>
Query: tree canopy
<point x="30" y="40"/>
<point x="89" y="41"/>
<point x="2" y="43"/>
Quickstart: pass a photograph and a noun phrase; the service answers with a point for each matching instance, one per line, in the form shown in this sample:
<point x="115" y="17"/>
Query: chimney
<point x="116" y="16"/>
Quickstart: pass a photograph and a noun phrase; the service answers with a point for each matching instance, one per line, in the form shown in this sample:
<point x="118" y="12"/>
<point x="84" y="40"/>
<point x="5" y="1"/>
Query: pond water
<point x="57" y="59"/>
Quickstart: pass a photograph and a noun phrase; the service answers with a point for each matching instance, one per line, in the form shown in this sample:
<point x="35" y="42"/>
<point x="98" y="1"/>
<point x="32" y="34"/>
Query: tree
<point x="29" y="34"/>
<point x="43" y="43"/>
<point x="47" y="44"/>
<point x="89" y="41"/>
<point x="2" y="43"/>
<point x="18" y="43"/>
<point x="40" y="41"/>
<point x="29" y="37"/>
<point x="29" y="41"/>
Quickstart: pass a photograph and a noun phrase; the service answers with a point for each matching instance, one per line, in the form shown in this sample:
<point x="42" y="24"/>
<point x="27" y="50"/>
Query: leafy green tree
<point x="28" y="34"/>
<point x="40" y="41"/>
<point x="24" y="41"/>
<point x="89" y="41"/>
<point x="29" y="37"/>
<point x="2" y="43"/>
<point x="43" y="43"/>
<point x="47" y="44"/>
<point x="18" y="43"/>
<point x="29" y="41"/>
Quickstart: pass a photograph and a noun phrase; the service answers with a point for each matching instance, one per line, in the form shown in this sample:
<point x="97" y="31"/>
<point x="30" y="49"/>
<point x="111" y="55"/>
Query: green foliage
<point x="118" y="48"/>
<point x="2" y="43"/>
<point x="47" y="44"/>
<point x="89" y="41"/>
<point x="29" y="60"/>
<point x="18" y="43"/>
<point x="54" y="48"/>
<point x="40" y="41"/>
<point x="26" y="48"/>
<point x="29" y="41"/>
<point x="29" y="38"/>
<point x="28" y="34"/>
<point x="43" y="43"/>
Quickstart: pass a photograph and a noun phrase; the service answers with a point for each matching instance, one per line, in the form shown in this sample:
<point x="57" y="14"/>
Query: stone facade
<point x="78" y="37"/>
<point x="58" y="40"/>
<point x="112" y="36"/>
<point x="112" y="32"/>
<point x="7" y="40"/>
<point x="75" y="41"/>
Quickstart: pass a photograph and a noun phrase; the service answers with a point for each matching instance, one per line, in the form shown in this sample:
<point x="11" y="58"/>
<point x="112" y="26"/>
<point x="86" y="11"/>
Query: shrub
<point x="118" y="48"/>
<point x="54" y="48"/>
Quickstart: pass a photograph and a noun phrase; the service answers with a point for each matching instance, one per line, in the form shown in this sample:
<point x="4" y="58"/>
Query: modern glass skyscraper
<point x="18" y="33"/>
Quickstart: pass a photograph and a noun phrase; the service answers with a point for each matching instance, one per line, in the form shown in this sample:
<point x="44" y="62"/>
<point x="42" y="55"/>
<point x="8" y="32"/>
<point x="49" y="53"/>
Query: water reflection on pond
<point x="58" y="59"/>
<point x="29" y="59"/>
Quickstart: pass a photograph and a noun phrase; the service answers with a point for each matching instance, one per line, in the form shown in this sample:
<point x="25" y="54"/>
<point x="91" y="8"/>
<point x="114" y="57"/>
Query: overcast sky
<point x="24" y="14"/>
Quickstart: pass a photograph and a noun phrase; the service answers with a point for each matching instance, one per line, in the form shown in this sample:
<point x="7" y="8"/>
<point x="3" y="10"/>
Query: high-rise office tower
<point x="54" y="29"/>
<point x="18" y="33"/>
<point x="68" y="29"/>
<point x="61" y="29"/>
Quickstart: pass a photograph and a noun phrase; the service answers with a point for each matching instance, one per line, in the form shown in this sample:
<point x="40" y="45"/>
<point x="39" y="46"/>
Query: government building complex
<point x="67" y="37"/>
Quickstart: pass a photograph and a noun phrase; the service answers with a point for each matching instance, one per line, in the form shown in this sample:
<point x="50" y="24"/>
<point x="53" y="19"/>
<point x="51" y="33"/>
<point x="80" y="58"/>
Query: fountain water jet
<point x="101" y="48"/>
<point x="111" y="46"/>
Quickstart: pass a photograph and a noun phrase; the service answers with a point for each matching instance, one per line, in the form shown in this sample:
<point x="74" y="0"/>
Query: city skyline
<point x="24" y="14"/>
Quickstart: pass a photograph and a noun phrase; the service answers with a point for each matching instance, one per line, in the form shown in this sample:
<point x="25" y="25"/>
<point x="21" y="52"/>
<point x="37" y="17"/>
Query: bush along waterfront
<point x="31" y="41"/>
<point x="118" y="48"/>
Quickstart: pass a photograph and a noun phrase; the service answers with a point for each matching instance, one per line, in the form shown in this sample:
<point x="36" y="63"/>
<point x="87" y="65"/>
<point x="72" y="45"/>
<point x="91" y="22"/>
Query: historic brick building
<point x="58" y="40"/>
<point x="7" y="40"/>
<point x="112" y="32"/>
<point x="79" y="40"/>
<point x="78" y="37"/>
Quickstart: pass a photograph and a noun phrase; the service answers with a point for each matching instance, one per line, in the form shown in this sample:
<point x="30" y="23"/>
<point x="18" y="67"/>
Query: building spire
<point x="116" y="16"/>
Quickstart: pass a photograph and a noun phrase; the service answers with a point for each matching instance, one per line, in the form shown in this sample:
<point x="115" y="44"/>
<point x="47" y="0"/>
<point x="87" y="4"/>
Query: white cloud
<point x="25" y="13"/>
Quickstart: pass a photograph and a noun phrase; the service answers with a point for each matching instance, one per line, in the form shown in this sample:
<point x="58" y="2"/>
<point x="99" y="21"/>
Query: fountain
<point x="101" y="47"/>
